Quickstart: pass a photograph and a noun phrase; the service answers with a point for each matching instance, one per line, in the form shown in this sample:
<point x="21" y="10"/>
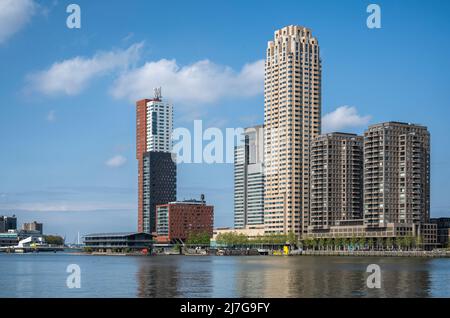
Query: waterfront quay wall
<point x="433" y="253"/>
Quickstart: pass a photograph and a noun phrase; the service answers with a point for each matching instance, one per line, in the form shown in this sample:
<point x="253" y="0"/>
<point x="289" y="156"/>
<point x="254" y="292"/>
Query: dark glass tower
<point x="159" y="180"/>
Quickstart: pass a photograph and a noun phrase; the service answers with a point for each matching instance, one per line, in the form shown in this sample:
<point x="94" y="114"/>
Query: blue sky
<point x="67" y="116"/>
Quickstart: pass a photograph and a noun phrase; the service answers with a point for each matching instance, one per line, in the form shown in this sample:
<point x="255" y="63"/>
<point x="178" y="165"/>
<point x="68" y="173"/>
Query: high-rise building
<point x="156" y="165"/>
<point x="8" y="223"/>
<point x="396" y="174"/>
<point x="336" y="180"/>
<point x="292" y="119"/>
<point x="33" y="226"/>
<point x="249" y="179"/>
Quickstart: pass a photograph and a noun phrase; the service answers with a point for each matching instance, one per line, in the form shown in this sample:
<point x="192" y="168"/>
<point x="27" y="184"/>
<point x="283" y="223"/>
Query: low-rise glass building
<point x="118" y="242"/>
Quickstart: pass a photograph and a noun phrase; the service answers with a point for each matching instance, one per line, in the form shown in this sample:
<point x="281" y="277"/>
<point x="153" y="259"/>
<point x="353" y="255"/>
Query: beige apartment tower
<point x="292" y="119"/>
<point x="336" y="180"/>
<point x="396" y="174"/>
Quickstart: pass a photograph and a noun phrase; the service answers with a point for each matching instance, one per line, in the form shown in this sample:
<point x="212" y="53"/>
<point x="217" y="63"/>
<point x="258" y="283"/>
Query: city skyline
<point x="69" y="158"/>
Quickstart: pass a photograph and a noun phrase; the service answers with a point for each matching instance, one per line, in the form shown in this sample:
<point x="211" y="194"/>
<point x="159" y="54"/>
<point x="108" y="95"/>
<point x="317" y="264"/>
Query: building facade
<point x="159" y="185"/>
<point x="9" y="239"/>
<point x="118" y="242"/>
<point x="33" y="227"/>
<point x="336" y="180"/>
<point x="396" y="188"/>
<point x="249" y="179"/>
<point x="442" y="230"/>
<point x="396" y="174"/>
<point x="292" y="119"/>
<point x="8" y="223"/>
<point x="177" y="220"/>
<point x="251" y="232"/>
<point x="156" y="164"/>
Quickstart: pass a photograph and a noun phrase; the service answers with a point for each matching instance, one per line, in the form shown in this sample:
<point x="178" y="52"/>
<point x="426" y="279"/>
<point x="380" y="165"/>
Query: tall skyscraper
<point x="396" y="174"/>
<point x="249" y="179"/>
<point x="336" y="180"/>
<point x="156" y="167"/>
<point x="292" y="119"/>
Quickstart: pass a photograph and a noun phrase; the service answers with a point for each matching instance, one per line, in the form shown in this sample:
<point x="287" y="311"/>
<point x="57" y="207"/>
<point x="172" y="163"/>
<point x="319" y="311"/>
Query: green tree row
<point x="198" y="238"/>
<point x="399" y="243"/>
<point x="238" y="239"/>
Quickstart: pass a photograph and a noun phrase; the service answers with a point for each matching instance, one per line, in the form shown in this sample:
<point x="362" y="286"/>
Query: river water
<point x="44" y="275"/>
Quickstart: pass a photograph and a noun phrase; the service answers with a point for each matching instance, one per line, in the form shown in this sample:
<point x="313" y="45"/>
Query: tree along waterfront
<point x="406" y="243"/>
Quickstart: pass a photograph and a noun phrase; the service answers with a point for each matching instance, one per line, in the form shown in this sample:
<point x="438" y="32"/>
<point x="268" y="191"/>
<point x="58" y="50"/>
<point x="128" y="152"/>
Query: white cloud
<point x="14" y="15"/>
<point x="116" y="161"/>
<point x="71" y="76"/>
<point x="199" y="83"/>
<point x="343" y="117"/>
<point x="51" y="116"/>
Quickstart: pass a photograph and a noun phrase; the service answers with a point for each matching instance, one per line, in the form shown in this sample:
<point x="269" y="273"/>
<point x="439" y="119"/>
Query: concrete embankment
<point x="435" y="253"/>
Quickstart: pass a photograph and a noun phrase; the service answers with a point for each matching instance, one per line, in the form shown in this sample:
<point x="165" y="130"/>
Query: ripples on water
<point x="44" y="275"/>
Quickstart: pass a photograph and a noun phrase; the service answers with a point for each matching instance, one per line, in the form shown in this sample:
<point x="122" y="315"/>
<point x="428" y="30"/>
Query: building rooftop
<point x="396" y="123"/>
<point x="190" y="201"/>
<point x="116" y="234"/>
<point x="338" y="133"/>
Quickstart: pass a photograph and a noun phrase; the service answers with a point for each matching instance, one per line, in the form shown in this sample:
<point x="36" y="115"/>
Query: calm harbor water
<point x="44" y="275"/>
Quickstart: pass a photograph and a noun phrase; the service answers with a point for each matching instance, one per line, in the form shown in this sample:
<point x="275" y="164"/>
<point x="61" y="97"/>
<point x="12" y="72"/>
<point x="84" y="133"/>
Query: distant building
<point x="249" y="179"/>
<point x="33" y="227"/>
<point x="175" y="221"/>
<point x="156" y="167"/>
<point x="8" y="239"/>
<point x="8" y="223"/>
<point x="118" y="242"/>
<point x="23" y="234"/>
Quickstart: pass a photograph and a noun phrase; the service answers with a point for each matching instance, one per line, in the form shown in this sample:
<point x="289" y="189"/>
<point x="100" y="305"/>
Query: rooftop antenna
<point x="157" y="93"/>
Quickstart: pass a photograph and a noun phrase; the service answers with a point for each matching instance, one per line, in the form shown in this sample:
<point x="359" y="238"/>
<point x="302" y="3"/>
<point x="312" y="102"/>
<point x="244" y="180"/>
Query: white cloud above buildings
<point x="202" y="82"/>
<point x="116" y="161"/>
<point x="72" y="76"/>
<point x="14" y="15"/>
<point x="344" y="118"/>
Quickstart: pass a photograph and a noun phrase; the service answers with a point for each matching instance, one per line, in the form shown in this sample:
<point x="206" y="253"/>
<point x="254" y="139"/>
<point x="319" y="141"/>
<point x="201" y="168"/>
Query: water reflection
<point x="174" y="277"/>
<point x="178" y="276"/>
<point x="45" y="275"/>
